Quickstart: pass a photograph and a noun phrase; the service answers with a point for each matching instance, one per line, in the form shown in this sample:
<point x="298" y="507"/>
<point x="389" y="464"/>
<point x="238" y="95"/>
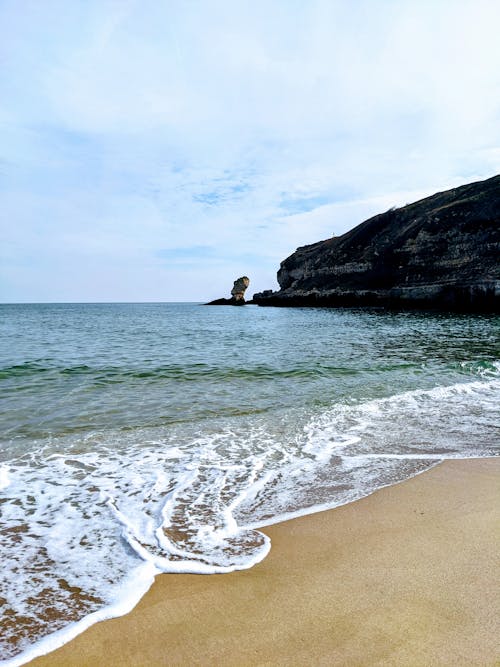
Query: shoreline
<point x="401" y="577"/>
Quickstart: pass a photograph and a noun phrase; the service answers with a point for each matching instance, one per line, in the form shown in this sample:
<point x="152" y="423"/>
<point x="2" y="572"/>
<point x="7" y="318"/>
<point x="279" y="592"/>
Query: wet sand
<point x="407" y="576"/>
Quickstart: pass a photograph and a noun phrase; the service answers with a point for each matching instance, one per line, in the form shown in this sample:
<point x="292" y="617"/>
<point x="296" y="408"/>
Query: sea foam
<point x="94" y="522"/>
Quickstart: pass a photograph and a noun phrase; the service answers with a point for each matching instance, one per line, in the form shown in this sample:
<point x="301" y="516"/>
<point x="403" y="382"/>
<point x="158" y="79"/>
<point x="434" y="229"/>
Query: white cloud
<point x="251" y="128"/>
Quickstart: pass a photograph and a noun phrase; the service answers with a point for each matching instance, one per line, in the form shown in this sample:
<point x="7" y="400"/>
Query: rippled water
<point x="139" y="438"/>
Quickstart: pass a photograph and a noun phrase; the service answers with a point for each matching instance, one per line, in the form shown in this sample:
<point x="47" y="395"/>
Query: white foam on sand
<point x="108" y="520"/>
<point x="127" y="596"/>
<point x="4" y="477"/>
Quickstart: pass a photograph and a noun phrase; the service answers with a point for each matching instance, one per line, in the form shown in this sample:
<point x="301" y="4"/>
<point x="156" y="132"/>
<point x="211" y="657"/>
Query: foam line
<point x="323" y="507"/>
<point x="139" y="583"/>
<point x="4" y="477"/>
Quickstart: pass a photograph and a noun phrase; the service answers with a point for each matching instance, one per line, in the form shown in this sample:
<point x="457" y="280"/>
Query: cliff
<point x="440" y="252"/>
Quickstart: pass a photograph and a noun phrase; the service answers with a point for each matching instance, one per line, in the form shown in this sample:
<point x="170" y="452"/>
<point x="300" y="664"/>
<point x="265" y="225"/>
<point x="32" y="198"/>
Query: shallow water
<point x="139" y="438"/>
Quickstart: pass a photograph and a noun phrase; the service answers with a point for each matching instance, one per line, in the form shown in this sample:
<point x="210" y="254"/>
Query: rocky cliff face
<point x="439" y="252"/>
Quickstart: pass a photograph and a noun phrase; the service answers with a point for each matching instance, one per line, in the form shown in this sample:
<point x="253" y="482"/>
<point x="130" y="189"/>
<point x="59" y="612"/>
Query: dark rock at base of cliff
<point x="227" y="302"/>
<point x="458" y="298"/>
<point x="441" y="252"/>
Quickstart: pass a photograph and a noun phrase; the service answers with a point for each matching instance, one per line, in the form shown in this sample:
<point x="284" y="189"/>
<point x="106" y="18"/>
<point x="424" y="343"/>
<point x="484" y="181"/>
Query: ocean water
<point x="147" y="438"/>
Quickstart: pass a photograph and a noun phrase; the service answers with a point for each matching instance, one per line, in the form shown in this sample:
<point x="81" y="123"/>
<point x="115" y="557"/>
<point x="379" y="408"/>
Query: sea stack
<point x="237" y="294"/>
<point x="441" y="253"/>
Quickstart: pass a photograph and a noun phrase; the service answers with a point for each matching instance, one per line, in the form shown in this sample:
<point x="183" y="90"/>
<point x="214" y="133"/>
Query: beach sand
<point x="404" y="577"/>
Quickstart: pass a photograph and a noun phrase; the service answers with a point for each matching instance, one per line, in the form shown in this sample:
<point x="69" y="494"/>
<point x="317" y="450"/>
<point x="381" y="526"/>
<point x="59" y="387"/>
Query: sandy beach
<point x="405" y="576"/>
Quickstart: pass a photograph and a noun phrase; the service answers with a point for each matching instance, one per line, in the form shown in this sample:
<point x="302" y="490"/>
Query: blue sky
<point x="155" y="150"/>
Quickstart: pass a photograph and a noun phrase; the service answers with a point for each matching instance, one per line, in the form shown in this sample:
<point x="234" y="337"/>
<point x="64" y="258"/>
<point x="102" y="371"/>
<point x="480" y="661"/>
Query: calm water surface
<point x="146" y="438"/>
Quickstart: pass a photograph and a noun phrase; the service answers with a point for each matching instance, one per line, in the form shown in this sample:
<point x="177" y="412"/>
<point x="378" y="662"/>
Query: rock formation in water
<point x="440" y="252"/>
<point x="239" y="288"/>
<point x="237" y="294"/>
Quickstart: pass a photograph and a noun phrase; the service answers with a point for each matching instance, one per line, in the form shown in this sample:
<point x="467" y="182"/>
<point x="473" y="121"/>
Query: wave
<point x="200" y="371"/>
<point x="177" y="372"/>
<point x="89" y="516"/>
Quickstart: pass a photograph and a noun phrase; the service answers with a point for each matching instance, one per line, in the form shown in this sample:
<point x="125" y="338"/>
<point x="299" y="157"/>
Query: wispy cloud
<point x="194" y="252"/>
<point x="149" y="150"/>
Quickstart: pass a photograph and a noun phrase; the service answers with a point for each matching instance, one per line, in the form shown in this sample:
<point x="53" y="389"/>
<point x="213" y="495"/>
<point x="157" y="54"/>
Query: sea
<point x="137" y="439"/>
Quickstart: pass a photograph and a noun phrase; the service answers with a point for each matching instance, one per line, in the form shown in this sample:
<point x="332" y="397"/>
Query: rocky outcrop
<point x="237" y="294"/>
<point x="239" y="288"/>
<point x="440" y="252"/>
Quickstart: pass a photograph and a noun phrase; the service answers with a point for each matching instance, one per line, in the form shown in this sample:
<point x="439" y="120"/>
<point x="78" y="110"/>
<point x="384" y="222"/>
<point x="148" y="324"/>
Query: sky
<point x="156" y="150"/>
